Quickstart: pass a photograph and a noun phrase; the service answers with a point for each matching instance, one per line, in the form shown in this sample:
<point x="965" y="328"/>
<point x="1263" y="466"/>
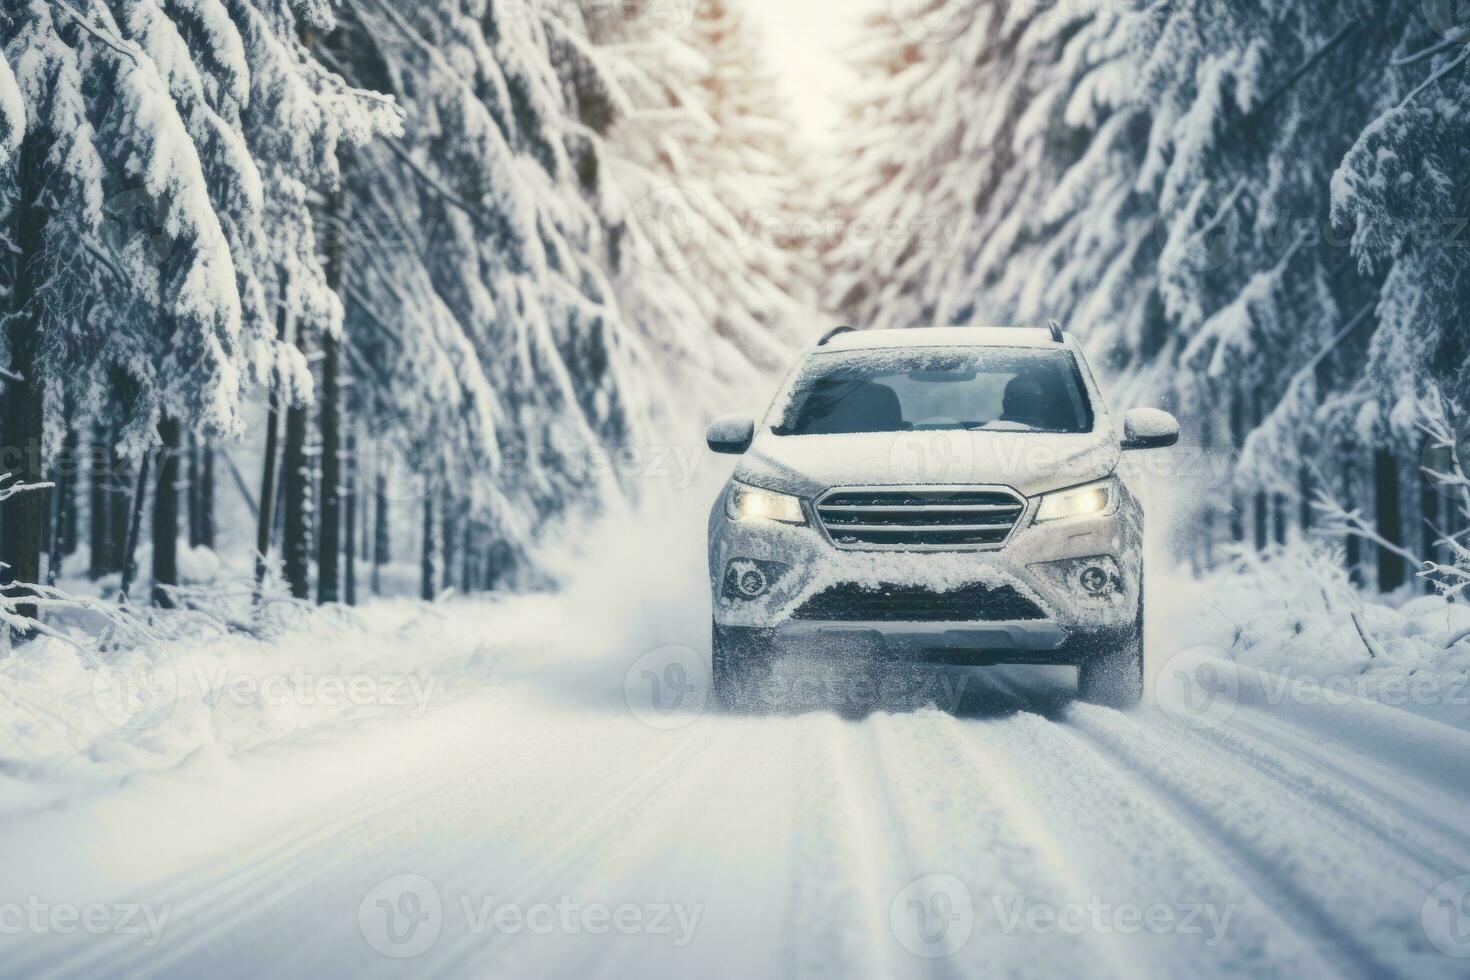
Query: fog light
<point x="750" y="578"/>
<point x="1095" y="581"/>
<point x="751" y="582"/>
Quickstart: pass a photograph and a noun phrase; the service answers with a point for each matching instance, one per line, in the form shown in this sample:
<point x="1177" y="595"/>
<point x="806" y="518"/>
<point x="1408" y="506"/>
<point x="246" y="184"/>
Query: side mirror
<point x="730" y="434"/>
<point x="1149" y="428"/>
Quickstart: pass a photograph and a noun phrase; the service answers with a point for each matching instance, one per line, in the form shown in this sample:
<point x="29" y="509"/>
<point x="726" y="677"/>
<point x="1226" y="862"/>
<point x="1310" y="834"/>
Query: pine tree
<point x="141" y="124"/>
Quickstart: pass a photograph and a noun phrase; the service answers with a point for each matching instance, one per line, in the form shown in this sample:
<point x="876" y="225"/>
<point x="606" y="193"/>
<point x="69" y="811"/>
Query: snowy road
<point x="540" y="827"/>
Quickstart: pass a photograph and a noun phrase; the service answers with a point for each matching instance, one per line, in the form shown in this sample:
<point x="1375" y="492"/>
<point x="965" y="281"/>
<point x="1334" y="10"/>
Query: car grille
<point x="915" y="604"/>
<point x="919" y="520"/>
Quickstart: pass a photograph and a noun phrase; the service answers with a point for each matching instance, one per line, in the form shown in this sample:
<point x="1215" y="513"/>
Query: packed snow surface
<point x="535" y="787"/>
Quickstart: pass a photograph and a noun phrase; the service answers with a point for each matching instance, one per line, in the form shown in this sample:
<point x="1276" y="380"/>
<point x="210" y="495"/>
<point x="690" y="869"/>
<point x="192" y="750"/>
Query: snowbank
<point x="1295" y="615"/>
<point x="80" y="719"/>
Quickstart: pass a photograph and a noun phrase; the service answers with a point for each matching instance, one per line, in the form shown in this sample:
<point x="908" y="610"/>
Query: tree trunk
<point x="1430" y="516"/>
<point x="1390" y="519"/>
<point x="427" y="590"/>
<point x="380" y="530"/>
<point x="63" y="476"/>
<point x="349" y="517"/>
<point x="166" y="514"/>
<point x="120" y="495"/>
<point x="23" y="517"/>
<point x="193" y="481"/>
<point x="448" y="538"/>
<point x="365" y="507"/>
<point x="53" y="524"/>
<point x="329" y="525"/>
<point x="201" y="494"/>
<point x="1352" y="544"/>
<point x="265" y="519"/>
<point x="1204" y="551"/>
<point x="329" y="532"/>
<point x="1237" y="437"/>
<point x="206" y="496"/>
<point x="135" y="527"/>
<point x="1262" y="506"/>
<point x="99" y="503"/>
<point x="1304" y="499"/>
<point x="296" y="480"/>
<point x="467" y="564"/>
<point x="278" y="525"/>
<point x="71" y="454"/>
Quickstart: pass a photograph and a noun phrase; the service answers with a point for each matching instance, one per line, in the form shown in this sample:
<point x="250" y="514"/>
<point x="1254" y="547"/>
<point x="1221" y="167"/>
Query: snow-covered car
<point x="935" y="496"/>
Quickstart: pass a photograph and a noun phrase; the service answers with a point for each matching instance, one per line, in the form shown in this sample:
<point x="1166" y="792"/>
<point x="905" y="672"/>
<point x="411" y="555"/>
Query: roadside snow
<point x="75" y="720"/>
<point x="1295" y="615"/>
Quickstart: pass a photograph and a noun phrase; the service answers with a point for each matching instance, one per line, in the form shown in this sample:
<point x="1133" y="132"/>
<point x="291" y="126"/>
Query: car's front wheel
<point x="1113" y="676"/>
<point x="740" y="668"/>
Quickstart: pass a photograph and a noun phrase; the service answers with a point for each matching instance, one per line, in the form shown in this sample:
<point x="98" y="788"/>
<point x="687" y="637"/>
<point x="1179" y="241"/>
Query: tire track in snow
<point x="226" y="886"/>
<point x="1123" y="846"/>
<point x="838" y="909"/>
<point x="596" y="840"/>
<point x="1276" y="752"/>
<point x="338" y="849"/>
<point x="1305" y="860"/>
<point x="960" y="816"/>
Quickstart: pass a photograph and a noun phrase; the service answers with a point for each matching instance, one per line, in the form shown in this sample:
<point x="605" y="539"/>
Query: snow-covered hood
<point x="1030" y="462"/>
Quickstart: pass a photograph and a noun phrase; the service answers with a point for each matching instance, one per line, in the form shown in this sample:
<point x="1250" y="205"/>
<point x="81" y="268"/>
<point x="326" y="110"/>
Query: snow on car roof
<point x="941" y="337"/>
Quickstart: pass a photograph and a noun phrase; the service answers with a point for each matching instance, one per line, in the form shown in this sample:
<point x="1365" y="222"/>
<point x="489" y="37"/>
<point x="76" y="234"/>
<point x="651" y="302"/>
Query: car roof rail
<point x="1056" y="332"/>
<point x="835" y="332"/>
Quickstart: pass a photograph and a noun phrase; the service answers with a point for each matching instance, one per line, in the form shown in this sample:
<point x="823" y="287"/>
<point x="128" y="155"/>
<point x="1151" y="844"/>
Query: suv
<point x="942" y="496"/>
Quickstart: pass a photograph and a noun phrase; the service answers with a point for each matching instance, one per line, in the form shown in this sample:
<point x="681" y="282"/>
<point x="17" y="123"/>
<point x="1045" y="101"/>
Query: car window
<point x="930" y="388"/>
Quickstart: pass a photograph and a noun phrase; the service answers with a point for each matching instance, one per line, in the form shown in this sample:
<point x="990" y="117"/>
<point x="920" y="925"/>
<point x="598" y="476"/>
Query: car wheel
<point x="740" y="669"/>
<point x="1113" y="677"/>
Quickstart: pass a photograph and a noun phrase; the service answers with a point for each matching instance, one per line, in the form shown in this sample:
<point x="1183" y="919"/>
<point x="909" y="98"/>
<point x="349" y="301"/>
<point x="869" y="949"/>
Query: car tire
<point x="1113" y="676"/>
<point x="740" y="669"/>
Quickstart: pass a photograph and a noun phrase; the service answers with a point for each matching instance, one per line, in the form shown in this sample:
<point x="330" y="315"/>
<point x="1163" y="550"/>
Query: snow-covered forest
<point x="475" y="242"/>
<point x="447" y="239"/>
<point x="1254" y="213"/>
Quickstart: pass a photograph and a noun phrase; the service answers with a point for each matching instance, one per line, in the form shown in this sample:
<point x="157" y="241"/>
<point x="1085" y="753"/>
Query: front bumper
<point x="812" y="564"/>
<point x="943" y="644"/>
<point x="969" y="643"/>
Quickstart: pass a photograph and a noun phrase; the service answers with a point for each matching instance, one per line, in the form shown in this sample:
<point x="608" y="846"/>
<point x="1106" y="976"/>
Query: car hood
<point x="1029" y="462"/>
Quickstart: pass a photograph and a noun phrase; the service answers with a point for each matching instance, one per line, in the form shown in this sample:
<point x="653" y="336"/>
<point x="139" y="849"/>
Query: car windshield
<point x="1000" y="389"/>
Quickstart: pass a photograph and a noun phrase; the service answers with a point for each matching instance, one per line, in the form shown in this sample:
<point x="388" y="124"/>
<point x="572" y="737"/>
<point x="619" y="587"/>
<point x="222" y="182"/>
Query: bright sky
<point x="805" y="39"/>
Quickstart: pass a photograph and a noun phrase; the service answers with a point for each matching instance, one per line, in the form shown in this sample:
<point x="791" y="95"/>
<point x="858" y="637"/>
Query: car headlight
<point x="747" y="503"/>
<point x="1093" y="498"/>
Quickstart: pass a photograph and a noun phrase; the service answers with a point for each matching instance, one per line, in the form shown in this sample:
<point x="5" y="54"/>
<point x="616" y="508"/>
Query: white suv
<point x="941" y="496"/>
